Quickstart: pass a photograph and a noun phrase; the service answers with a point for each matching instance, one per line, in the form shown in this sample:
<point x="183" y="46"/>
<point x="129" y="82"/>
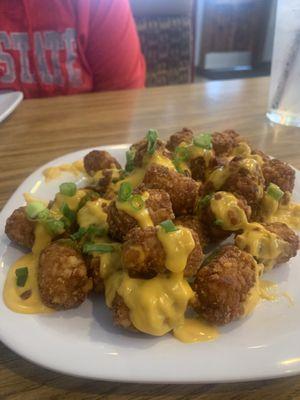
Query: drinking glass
<point x="284" y="96"/>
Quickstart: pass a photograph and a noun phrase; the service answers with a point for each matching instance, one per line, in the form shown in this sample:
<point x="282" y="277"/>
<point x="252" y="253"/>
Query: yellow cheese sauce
<point x="110" y="263"/>
<point x="224" y="206"/>
<point x="142" y="216"/>
<point x="76" y="168"/>
<point x="92" y="213"/>
<point x="13" y="295"/>
<point x="195" y="330"/>
<point x="288" y="214"/>
<point x="196" y="151"/>
<point x="71" y="201"/>
<point x="156" y="305"/>
<point x="265" y="246"/>
<point x="177" y="245"/>
<point x="219" y="176"/>
<point x="135" y="178"/>
<point x="159" y="159"/>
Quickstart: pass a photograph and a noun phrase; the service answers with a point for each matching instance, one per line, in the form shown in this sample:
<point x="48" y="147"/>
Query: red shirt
<point x="52" y="47"/>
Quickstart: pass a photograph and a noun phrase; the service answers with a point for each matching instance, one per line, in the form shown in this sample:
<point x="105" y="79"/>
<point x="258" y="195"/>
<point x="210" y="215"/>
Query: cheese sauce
<point x="92" y="213"/>
<point x="195" y="330"/>
<point x="76" y="168"/>
<point x="27" y="299"/>
<point x="142" y="216"/>
<point x="196" y="151"/>
<point x="156" y="305"/>
<point x="224" y="206"/>
<point x="159" y="159"/>
<point x="219" y="176"/>
<point x="15" y="297"/>
<point x="265" y="246"/>
<point x="177" y="245"/>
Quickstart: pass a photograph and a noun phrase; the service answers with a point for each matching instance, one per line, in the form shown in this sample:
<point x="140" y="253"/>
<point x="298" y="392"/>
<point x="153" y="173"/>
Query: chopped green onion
<point x="97" y="248"/>
<point x="124" y="191"/>
<point x="54" y="226"/>
<point x="43" y="215"/>
<point x="94" y="230"/>
<point x="152" y="136"/>
<point x="137" y="202"/>
<point x="218" y="222"/>
<point x="182" y="153"/>
<point x="69" y="215"/>
<point x="168" y="226"/>
<point x="130" y="155"/>
<point x="21" y="275"/>
<point x="68" y="189"/>
<point x="275" y="191"/>
<point x="204" y="201"/>
<point x="79" y="234"/>
<point x="34" y="208"/>
<point x="203" y="140"/>
<point x="68" y="243"/>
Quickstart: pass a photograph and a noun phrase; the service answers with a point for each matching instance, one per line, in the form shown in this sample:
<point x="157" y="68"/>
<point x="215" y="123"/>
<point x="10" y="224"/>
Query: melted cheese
<point x="288" y="214"/>
<point x="76" y="168"/>
<point x="242" y="150"/>
<point x="71" y="201"/>
<point x="110" y="263"/>
<point x="219" y="176"/>
<point x="12" y="293"/>
<point x="225" y="207"/>
<point x="177" y="245"/>
<point x="265" y="246"/>
<point x="42" y="239"/>
<point x="196" y="151"/>
<point x="159" y="159"/>
<point x="195" y="330"/>
<point x="92" y="213"/>
<point x="142" y="216"/>
<point x="135" y="178"/>
<point x="115" y="175"/>
<point x="157" y="305"/>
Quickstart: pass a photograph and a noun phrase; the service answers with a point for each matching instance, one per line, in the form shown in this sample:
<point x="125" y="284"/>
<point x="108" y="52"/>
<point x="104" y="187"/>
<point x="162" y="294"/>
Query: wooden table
<point x="41" y="130"/>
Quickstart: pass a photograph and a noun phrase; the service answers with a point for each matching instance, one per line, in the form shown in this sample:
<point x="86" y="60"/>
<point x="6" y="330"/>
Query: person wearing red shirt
<point x="59" y="47"/>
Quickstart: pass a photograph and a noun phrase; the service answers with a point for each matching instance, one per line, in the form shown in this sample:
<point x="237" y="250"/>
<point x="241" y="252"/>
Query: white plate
<point x="83" y="342"/>
<point x="8" y="102"/>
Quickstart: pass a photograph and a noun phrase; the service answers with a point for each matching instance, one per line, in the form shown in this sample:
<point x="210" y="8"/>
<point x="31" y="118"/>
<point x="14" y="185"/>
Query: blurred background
<point x="192" y="40"/>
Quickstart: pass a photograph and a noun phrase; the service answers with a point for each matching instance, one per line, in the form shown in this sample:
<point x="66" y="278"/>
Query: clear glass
<point x="284" y="98"/>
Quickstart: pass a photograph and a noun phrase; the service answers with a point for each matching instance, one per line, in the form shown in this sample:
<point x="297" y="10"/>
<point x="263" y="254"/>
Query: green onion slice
<point x="97" y="248"/>
<point x="70" y="215"/>
<point x="137" y="202"/>
<point x="275" y="191"/>
<point x="182" y="153"/>
<point x="54" y="226"/>
<point x="79" y="234"/>
<point x="124" y="191"/>
<point x="130" y="155"/>
<point x="43" y="215"/>
<point x="204" y="141"/>
<point x="152" y="136"/>
<point x="21" y="275"/>
<point x="34" y="208"/>
<point x="68" y="189"/>
<point x="218" y="222"/>
<point x="168" y="226"/>
<point x="204" y="201"/>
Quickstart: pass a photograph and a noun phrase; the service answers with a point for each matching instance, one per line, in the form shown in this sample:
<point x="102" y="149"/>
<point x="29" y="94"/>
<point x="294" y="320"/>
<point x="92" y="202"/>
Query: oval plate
<point x="84" y="342"/>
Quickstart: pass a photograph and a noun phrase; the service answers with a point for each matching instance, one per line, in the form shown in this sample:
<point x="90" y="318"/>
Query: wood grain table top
<point x="43" y="129"/>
